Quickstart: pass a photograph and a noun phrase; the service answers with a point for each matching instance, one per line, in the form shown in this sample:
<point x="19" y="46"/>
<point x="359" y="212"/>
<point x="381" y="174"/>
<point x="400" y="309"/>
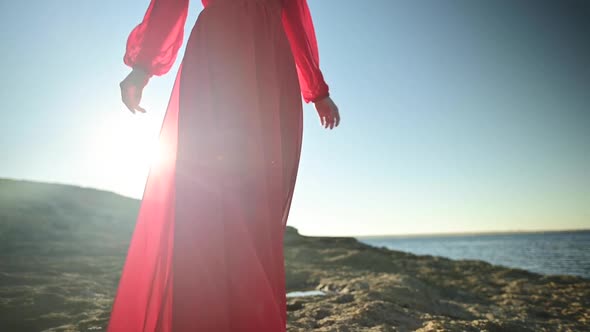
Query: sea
<point x="550" y="253"/>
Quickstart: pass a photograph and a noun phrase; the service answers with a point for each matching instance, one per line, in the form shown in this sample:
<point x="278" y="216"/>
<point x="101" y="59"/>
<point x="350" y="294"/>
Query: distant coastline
<point x="476" y="233"/>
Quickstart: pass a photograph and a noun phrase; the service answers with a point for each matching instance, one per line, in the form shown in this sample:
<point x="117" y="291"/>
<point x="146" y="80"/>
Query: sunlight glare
<point x="125" y="147"/>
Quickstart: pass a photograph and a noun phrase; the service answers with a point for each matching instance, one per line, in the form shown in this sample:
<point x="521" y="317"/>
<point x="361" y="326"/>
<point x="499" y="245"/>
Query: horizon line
<point x="467" y="233"/>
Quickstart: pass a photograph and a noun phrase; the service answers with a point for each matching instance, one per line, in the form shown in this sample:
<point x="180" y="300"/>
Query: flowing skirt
<point x="207" y="250"/>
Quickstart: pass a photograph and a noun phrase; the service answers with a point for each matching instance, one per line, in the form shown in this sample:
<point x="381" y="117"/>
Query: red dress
<point x="207" y="250"/>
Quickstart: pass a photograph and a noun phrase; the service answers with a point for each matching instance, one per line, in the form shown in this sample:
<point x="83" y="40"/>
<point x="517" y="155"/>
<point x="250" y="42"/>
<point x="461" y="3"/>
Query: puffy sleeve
<point x="154" y="43"/>
<point x="299" y="28"/>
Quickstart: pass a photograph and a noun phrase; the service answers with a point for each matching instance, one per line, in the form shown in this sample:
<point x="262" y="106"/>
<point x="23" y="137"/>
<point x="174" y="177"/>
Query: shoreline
<point x="497" y="250"/>
<point x="377" y="289"/>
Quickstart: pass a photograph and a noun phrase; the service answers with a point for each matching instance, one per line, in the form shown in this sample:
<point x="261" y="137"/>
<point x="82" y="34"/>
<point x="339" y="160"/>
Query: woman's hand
<point x="132" y="89"/>
<point x="328" y="112"/>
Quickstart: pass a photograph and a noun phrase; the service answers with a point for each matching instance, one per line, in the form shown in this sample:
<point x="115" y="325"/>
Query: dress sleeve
<point x="154" y="43"/>
<point x="299" y="28"/>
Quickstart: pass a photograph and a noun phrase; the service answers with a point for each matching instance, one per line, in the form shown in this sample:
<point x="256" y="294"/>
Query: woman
<point x="207" y="251"/>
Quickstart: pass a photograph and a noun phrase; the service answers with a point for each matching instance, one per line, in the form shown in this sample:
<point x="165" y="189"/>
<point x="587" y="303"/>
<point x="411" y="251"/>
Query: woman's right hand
<point x="328" y="112"/>
<point x="132" y="89"/>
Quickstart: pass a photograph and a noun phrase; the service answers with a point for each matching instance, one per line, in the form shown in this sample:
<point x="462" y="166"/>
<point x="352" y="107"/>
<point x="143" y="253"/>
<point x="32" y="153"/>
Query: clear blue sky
<point x="457" y="115"/>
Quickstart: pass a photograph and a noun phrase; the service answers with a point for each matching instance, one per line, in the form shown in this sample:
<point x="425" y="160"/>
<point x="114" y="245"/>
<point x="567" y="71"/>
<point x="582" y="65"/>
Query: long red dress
<point x="207" y="251"/>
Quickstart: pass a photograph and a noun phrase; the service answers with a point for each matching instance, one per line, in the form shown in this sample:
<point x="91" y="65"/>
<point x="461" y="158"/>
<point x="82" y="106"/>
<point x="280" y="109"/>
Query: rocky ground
<point x="374" y="289"/>
<point x="62" y="249"/>
<point x="366" y="289"/>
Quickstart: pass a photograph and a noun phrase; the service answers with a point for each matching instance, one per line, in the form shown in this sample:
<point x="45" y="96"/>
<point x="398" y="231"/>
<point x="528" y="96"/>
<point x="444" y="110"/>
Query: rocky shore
<point x="376" y="289"/>
<point x="62" y="249"/>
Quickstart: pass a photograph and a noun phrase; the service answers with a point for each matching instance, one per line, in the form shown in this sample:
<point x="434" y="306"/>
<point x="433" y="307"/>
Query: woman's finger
<point x="129" y="107"/>
<point x="333" y="118"/>
<point x="125" y="97"/>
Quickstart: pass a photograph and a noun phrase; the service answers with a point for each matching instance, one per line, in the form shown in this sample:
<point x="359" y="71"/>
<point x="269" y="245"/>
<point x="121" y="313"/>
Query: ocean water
<point x="545" y="253"/>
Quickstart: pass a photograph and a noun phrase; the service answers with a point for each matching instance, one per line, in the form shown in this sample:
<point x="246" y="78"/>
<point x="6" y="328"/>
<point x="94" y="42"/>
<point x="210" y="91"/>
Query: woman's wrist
<point x="320" y="98"/>
<point x="141" y="75"/>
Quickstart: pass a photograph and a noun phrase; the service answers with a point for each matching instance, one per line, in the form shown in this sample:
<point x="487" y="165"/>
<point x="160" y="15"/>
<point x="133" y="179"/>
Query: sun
<point x="123" y="150"/>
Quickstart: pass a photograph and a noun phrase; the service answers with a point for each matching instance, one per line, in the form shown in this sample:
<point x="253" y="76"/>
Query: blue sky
<point x="456" y="115"/>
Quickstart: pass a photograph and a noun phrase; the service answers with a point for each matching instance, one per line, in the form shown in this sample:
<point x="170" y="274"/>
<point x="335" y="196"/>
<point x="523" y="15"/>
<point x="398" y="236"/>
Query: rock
<point x="345" y="298"/>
